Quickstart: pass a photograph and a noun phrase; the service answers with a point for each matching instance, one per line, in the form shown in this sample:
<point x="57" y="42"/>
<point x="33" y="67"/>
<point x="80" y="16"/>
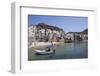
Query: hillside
<point x="46" y="26"/>
<point x="85" y="31"/>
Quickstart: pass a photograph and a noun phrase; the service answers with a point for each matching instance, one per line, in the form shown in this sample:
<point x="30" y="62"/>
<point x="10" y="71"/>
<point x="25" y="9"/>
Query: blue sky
<point x="67" y="23"/>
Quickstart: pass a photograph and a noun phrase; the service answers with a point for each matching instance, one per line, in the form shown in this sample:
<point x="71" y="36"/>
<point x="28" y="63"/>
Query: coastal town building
<point x="77" y="36"/>
<point x="43" y="32"/>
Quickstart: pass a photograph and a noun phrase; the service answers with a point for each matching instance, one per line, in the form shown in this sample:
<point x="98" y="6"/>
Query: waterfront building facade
<point x="46" y="33"/>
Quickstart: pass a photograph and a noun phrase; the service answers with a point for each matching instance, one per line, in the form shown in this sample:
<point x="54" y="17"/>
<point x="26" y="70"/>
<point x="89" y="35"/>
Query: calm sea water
<point x="73" y="50"/>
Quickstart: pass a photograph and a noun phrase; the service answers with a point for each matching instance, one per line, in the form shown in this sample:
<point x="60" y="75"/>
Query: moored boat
<point x="44" y="52"/>
<point x="49" y="50"/>
<point x="68" y="41"/>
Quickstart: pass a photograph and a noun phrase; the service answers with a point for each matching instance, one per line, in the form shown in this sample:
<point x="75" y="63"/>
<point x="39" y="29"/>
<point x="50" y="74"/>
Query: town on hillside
<point x="43" y="32"/>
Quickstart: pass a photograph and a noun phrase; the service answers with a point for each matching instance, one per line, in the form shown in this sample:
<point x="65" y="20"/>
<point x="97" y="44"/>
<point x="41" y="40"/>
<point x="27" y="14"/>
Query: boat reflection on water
<point x="73" y="50"/>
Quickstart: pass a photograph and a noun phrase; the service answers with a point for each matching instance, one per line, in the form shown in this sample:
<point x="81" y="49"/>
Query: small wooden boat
<point x="44" y="52"/>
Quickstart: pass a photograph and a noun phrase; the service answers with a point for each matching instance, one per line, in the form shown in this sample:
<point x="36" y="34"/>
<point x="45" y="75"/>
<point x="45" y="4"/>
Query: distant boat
<point x="44" y="52"/>
<point x="68" y="41"/>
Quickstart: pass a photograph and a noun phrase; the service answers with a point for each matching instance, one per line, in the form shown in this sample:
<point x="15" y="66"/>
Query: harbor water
<point x="74" y="50"/>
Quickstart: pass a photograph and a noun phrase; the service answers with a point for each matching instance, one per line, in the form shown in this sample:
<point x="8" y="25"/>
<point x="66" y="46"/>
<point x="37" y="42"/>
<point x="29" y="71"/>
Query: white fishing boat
<point x="44" y="52"/>
<point x="49" y="50"/>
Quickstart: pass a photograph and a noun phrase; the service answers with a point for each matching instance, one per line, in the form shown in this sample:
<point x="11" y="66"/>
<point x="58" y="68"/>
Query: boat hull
<point x="44" y="52"/>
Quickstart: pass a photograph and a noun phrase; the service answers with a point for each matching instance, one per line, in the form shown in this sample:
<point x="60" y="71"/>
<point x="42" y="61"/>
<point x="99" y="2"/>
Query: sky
<point x="67" y="23"/>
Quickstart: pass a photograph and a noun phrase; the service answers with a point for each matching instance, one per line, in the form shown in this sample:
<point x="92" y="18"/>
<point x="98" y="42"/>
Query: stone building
<point x="77" y="36"/>
<point x="45" y="33"/>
